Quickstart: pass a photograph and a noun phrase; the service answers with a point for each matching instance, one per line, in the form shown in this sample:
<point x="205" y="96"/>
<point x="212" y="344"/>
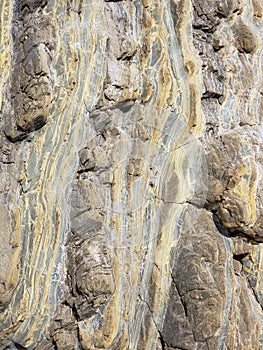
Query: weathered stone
<point x="131" y="174"/>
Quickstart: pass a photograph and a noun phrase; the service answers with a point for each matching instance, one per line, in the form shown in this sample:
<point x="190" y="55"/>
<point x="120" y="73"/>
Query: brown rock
<point x="131" y="174"/>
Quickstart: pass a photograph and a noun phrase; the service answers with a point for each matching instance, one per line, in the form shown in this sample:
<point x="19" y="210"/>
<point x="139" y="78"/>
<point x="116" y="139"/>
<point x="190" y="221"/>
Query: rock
<point x="131" y="175"/>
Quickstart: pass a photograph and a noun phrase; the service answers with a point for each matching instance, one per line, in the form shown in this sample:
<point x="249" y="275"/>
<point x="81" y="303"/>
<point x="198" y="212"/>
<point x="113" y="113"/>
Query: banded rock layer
<point x="131" y="175"/>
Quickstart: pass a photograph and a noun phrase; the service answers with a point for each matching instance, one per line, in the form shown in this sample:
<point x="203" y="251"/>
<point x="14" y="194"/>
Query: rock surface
<point x="131" y="174"/>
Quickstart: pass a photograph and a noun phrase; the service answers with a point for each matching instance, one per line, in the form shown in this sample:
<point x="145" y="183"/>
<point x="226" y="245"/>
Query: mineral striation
<point x="131" y="167"/>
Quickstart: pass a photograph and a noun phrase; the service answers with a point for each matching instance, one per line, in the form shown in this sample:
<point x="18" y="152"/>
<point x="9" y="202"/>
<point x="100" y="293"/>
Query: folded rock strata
<point x="131" y="174"/>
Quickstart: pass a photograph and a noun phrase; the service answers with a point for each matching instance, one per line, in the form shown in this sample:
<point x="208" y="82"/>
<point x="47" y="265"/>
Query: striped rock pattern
<point x="131" y="174"/>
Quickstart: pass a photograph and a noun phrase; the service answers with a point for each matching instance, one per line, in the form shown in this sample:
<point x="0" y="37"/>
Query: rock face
<point x="131" y="172"/>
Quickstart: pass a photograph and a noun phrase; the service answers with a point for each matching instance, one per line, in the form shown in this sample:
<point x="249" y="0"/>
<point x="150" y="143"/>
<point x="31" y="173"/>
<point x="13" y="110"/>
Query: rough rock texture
<point x="130" y="174"/>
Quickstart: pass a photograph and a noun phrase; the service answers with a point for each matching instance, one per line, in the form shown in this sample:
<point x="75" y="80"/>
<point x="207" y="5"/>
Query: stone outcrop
<point x="131" y="174"/>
